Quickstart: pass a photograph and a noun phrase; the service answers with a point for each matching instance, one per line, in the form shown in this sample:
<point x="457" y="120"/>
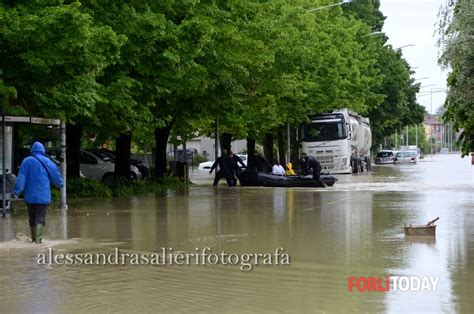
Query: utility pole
<point x="216" y="139"/>
<point x="407" y="142"/>
<point x="450" y="137"/>
<point x="442" y="135"/>
<point x="416" y="135"/>
<point x="396" y="139"/>
<point x="63" y="165"/>
<point x="4" y="174"/>
<point x="288" y="150"/>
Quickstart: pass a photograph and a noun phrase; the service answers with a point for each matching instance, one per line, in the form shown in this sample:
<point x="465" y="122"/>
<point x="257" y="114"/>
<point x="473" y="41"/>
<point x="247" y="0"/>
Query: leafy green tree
<point x="51" y="54"/>
<point x="398" y="106"/>
<point x="368" y="11"/>
<point x="457" y="31"/>
<point x="309" y="62"/>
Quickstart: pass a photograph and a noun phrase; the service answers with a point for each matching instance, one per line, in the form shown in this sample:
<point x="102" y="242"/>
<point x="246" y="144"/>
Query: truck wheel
<point x="354" y="165"/>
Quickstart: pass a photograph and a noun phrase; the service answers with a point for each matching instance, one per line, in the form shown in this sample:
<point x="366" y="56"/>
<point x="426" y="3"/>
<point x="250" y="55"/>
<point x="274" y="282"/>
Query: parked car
<point x="418" y="153"/>
<point x="110" y="160"/>
<point x="96" y="168"/>
<point x="405" y="157"/>
<point x="142" y="166"/>
<point x="385" y="157"/>
<point x="23" y="152"/>
<point x="208" y="164"/>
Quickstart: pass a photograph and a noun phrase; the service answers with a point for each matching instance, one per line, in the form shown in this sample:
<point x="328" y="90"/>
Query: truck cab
<point x="339" y="140"/>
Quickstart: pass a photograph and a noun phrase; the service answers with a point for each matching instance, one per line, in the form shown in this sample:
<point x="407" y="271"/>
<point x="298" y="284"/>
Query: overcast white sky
<point x="414" y="22"/>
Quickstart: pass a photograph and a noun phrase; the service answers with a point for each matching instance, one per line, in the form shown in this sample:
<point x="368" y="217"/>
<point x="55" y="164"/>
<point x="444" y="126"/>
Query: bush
<point x="81" y="187"/>
<point x="86" y="187"/>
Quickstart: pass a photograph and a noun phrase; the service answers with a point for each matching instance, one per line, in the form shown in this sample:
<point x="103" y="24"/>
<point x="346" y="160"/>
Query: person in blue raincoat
<point x="37" y="174"/>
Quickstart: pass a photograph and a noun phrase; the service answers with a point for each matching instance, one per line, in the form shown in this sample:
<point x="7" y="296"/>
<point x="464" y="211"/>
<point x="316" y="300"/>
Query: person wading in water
<point x="37" y="174"/>
<point x="225" y="171"/>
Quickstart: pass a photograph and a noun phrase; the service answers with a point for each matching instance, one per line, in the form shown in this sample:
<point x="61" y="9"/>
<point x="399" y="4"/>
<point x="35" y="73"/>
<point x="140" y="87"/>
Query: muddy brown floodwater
<point x="351" y="229"/>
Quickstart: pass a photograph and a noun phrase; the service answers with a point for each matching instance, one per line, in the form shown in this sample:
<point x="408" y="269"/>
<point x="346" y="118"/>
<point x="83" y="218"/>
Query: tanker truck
<point x="340" y="140"/>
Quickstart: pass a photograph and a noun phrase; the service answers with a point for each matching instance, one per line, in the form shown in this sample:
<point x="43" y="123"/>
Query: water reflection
<point x="353" y="228"/>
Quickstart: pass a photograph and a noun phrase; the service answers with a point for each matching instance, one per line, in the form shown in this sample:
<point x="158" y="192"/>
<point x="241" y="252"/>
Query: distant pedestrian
<point x="37" y="174"/>
<point x="310" y="163"/>
<point x="225" y="165"/>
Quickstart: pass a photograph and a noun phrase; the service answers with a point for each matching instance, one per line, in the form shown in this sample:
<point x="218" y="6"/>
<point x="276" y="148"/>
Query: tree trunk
<point x="73" y="150"/>
<point x="281" y="147"/>
<point x="184" y="155"/>
<point x="161" y="141"/>
<point x="226" y="140"/>
<point x="268" y="147"/>
<point x="123" y="145"/>
<point x="295" y="147"/>
<point x="250" y="153"/>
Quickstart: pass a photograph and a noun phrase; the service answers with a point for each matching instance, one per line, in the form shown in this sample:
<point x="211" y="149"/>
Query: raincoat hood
<point x="37" y="148"/>
<point x="37" y="174"/>
<point x="289" y="166"/>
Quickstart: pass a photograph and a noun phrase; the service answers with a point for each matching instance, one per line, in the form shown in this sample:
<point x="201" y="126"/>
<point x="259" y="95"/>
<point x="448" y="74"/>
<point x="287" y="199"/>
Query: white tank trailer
<point x="340" y="140"/>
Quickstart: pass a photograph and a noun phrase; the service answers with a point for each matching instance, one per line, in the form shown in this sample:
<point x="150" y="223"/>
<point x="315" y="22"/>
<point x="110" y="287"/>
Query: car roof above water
<point x="406" y="153"/>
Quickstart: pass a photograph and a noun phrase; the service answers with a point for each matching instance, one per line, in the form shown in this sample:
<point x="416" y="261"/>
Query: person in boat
<point x="225" y="165"/>
<point x="257" y="163"/>
<point x="290" y="171"/>
<point x="309" y="163"/>
<point x="236" y="168"/>
<point x="277" y="168"/>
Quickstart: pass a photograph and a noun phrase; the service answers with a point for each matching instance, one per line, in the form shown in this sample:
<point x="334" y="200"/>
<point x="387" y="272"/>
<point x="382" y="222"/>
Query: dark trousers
<point x="317" y="178"/>
<point x="238" y="176"/>
<point x="37" y="213"/>
<point x="219" y="175"/>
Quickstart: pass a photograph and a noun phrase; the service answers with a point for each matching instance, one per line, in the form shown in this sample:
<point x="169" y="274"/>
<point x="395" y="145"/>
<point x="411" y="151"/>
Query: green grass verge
<point x="81" y="187"/>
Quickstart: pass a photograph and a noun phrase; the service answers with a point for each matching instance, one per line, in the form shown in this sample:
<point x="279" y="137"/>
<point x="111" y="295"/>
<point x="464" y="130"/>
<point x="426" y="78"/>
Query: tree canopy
<point x="136" y="67"/>
<point x="456" y="41"/>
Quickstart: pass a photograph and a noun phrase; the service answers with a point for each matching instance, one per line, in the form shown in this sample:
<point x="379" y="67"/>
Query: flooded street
<point x="351" y="229"/>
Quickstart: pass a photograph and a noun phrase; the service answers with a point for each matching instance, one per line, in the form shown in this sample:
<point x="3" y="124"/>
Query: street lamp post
<point x="216" y="139"/>
<point x="416" y="135"/>
<point x="396" y="139"/>
<point x="288" y="149"/>
<point x="329" y="6"/>
<point x="407" y="142"/>
<point x="4" y="175"/>
<point x="373" y="33"/>
<point x="422" y="78"/>
<point x="425" y="86"/>
<point x="408" y="45"/>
